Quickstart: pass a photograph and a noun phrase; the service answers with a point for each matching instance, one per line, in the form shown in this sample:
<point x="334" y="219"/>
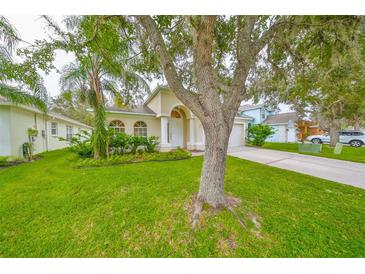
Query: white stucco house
<point x="165" y="116"/>
<point x="15" y="120"/>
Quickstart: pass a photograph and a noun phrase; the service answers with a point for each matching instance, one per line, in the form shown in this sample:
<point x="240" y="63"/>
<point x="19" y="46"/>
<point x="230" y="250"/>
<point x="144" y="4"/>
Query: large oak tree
<point x="207" y="62"/>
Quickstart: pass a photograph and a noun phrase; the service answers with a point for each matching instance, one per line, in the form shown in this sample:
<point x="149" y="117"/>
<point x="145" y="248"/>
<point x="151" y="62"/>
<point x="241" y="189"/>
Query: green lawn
<point x="354" y="154"/>
<point x="50" y="209"/>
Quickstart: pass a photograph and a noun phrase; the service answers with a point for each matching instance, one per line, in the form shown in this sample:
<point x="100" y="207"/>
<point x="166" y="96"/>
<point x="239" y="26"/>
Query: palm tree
<point x="93" y="81"/>
<point x="8" y="41"/>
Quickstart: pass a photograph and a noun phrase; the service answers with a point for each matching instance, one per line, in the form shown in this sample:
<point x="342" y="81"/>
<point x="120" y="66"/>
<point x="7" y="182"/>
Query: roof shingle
<point x="140" y="109"/>
<point x="282" y="118"/>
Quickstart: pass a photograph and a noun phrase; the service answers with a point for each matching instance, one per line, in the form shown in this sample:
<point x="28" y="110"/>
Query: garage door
<point x="236" y="139"/>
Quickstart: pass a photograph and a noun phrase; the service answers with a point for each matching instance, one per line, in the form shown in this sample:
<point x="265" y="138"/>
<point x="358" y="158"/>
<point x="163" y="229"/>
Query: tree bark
<point x="357" y="126"/>
<point x="211" y="190"/>
<point x="334" y="134"/>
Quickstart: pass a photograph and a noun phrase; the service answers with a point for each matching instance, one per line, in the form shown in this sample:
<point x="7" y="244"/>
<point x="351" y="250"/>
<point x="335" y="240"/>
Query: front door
<point x="177" y="132"/>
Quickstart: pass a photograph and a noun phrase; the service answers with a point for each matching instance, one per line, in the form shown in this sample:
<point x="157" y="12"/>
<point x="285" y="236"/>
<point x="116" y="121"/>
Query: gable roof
<point x="156" y="91"/>
<point x="248" y="107"/>
<point x="51" y="114"/>
<point x="139" y="109"/>
<point x="244" y="116"/>
<point x="281" y="118"/>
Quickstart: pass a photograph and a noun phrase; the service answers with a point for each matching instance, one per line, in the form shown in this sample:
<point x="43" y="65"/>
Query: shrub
<point x="81" y="144"/>
<point x="119" y="143"/>
<point x="32" y="132"/>
<point x="257" y="134"/>
<point x="135" y="142"/>
<point x="151" y="143"/>
<point x="141" y="156"/>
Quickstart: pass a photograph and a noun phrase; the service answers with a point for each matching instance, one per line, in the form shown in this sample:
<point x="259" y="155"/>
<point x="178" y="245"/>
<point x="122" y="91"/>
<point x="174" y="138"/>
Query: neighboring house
<point x="164" y="116"/>
<point x="285" y="127"/>
<point x="15" y="120"/>
<point x="284" y="124"/>
<point x="258" y="112"/>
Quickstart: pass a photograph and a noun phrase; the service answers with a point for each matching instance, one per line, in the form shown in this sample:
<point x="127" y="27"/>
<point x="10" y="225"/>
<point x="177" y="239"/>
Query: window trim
<point x="68" y="135"/>
<point x="137" y="129"/>
<point x="54" y="128"/>
<point x="119" y="129"/>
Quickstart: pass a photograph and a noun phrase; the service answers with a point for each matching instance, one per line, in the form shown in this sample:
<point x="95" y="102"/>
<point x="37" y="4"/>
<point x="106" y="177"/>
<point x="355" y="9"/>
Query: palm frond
<point x="72" y="21"/>
<point x="17" y="96"/>
<point x="8" y="34"/>
<point x="5" y="54"/>
<point x="116" y="93"/>
<point x="73" y="77"/>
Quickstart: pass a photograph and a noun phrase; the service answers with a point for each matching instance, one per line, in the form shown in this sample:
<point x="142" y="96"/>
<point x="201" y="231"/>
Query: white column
<point x="191" y="143"/>
<point x="164" y="145"/>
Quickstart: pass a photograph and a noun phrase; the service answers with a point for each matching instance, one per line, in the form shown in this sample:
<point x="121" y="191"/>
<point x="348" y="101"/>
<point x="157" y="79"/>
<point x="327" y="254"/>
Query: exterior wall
<point x="53" y="141"/>
<point x="155" y="104"/>
<point x="19" y="120"/>
<point x="168" y="101"/>
<point x="153" y="123"/>
<point x="255" y="113"/>
<point x="162" y="104"/>
<point x="283" y="133"/>
<point x="275" y="136"/>
<point x="5" y="140"/>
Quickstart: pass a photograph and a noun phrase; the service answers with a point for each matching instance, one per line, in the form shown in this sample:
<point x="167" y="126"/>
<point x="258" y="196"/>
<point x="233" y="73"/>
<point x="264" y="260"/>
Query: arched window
<point x="140" y="129"/>
<point x="175" y="114"/>
<point x="118" y="126"/>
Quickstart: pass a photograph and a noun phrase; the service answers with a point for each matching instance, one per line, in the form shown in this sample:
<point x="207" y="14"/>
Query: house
<point x="15" y="120"/>
<point x="258" y="112"/>
<point x="284" y="124"/>
<point x="288" y="126"/>
<point x="165" y="116"/>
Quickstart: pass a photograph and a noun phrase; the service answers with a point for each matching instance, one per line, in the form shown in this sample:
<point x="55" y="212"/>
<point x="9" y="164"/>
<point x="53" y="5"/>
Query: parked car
<point x="353" y="138"/>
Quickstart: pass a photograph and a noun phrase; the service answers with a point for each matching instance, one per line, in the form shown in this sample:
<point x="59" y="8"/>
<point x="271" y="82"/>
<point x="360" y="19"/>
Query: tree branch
<point x="187" y="97"/>
<point x="245" y="59"/>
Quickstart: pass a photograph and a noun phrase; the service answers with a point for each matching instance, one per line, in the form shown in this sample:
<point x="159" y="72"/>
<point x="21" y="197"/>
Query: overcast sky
<point x="31" y="27"/>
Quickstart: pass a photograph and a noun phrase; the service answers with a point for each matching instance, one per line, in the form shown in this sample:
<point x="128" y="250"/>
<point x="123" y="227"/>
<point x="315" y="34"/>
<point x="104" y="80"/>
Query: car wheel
<point x="356" y="143"/>
<point x="316" y="141"/>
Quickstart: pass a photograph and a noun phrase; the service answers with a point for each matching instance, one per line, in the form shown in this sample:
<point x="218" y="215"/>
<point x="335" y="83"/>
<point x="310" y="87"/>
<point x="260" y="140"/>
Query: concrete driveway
<point x="344" y="172"/>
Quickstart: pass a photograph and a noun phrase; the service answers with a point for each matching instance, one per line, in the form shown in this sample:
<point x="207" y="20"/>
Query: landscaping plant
<point x="140" y="156"/>
<point x="81" y="144"/>
<point x="118" y="142"/>
<point x="151" y="143"/>
<point x="257" y="134"/>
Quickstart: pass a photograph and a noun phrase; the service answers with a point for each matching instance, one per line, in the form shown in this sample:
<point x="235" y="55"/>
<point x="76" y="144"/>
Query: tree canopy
<point x="19" y="81"/>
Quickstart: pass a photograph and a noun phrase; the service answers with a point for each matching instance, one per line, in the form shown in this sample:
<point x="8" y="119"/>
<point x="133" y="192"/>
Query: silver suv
<point x="353" y="137"/>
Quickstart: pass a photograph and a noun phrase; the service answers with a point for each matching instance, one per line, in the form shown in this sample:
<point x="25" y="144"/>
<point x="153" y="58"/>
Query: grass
<point x="353" y="154"/>
<point x="50" y="209"/>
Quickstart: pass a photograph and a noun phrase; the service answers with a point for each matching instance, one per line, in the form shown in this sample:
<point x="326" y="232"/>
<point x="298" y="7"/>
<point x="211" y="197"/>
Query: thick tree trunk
<point x="334" y="134"/>
<point x="211" y="190"/>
